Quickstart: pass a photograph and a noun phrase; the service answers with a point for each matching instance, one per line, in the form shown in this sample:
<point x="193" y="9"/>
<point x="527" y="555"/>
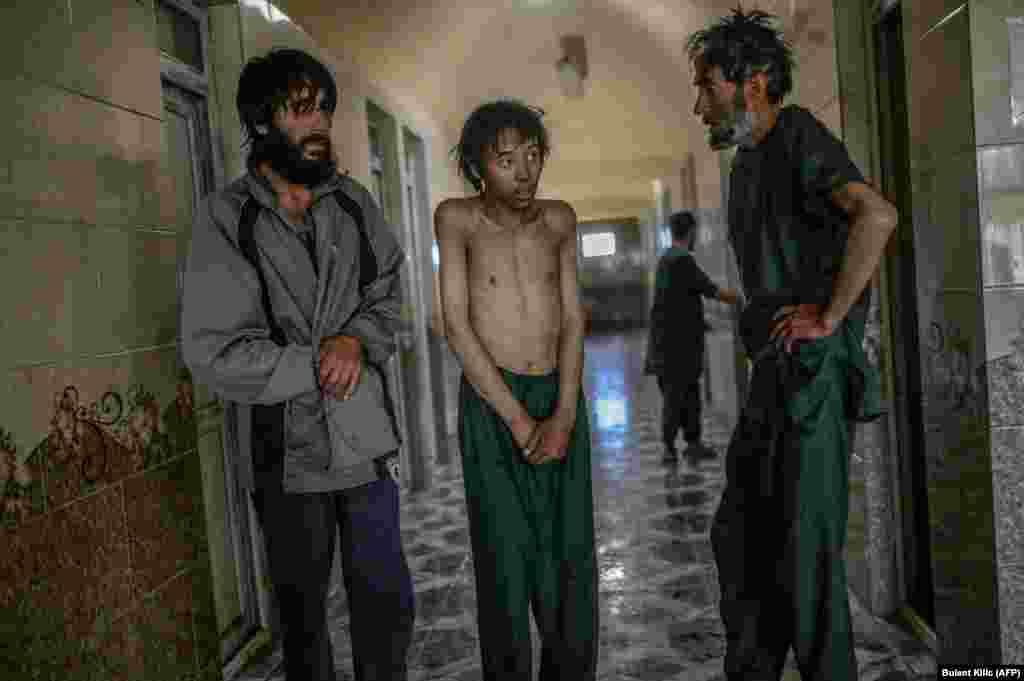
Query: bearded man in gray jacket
<point x="290" y="303"/>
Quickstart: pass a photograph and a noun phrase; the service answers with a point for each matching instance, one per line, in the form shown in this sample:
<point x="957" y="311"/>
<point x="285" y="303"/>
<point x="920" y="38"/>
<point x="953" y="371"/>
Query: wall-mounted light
<point x="572" y="67"/>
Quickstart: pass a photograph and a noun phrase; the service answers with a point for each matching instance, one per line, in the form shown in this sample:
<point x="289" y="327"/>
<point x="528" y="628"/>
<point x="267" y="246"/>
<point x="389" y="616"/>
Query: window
<point x="377" y="166"/>
<point x="179" y="35"/>
<point x="601" y="243"/>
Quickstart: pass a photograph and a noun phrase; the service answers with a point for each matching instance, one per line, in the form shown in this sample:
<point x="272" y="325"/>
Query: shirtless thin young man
<point x="512" y="314"/>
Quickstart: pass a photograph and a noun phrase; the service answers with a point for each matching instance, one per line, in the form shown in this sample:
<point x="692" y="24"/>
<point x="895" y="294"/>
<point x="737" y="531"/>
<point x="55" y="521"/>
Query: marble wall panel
<point x="1001" y="196"/>
<point x="1011" y="613"/>
<point x="1004" y="328"/>
<point x="1008" y="485"/>
<point x="997" y="51"/>
<point x="66" y="569"/>
<point x="166" y="522"/>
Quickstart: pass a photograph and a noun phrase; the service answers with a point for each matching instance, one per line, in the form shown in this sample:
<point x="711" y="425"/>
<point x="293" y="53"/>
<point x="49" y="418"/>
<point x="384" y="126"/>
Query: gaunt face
<point x="306" y="122"/>
<point x="722" y="107"/>
<point x="511" y="169"/>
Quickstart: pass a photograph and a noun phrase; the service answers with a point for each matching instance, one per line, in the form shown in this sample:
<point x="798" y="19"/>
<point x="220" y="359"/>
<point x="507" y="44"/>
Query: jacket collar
<point x="261" y="190"/>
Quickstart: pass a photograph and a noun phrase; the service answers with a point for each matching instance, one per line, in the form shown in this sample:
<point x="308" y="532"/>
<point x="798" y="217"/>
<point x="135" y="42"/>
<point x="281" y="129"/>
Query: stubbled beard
<point x="737" y="130"/>
<point x="287" y="160"/>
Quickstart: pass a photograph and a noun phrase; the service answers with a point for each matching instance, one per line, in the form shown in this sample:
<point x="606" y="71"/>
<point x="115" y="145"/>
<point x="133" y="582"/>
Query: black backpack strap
<point x="367" y="260"/>
<point x="247" y="242"/>
<point x="368" y="269"/>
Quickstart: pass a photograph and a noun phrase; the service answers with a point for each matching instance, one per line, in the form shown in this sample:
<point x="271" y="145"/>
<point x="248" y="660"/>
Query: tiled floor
<point x="658" y="586"/>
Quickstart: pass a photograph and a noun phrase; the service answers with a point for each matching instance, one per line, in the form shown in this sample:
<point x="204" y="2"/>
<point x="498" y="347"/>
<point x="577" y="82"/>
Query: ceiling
<point x="633" y="124"/>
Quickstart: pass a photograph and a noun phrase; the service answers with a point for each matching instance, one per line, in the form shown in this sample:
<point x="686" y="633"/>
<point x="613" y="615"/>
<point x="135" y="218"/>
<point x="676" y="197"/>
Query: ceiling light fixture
<point x="572" y="67"/>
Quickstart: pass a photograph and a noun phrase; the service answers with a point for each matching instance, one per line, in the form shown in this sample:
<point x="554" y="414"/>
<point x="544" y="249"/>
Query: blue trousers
<point x="299" y="531"/>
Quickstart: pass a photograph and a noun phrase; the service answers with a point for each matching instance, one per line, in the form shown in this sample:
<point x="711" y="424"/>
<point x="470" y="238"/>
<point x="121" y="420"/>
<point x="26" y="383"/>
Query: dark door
<point x="904" y="331"/>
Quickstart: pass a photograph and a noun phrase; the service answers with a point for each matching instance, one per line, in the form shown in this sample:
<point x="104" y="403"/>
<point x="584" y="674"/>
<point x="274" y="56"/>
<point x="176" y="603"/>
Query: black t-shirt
<point x="784" y="228"/>
<point x="677" y="315"/>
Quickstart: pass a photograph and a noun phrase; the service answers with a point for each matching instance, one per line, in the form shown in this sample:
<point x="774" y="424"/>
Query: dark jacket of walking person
<point x="675" y="348"/>
<point x="290" y="303"/>
<point x="808" y="233"/>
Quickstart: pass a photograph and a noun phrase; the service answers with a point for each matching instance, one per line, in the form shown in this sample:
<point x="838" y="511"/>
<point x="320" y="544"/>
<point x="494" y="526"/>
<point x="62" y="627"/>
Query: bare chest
<point x="502" y="260"/>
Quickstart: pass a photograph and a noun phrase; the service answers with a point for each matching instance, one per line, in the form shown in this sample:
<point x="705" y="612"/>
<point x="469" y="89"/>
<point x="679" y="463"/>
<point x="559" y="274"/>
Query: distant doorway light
<point x="598" y="244"/>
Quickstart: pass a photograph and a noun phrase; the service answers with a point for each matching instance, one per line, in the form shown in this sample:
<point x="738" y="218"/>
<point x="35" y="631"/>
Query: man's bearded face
<point x="298" y="144"/>
<point x="722" y="107"/>
<point x="735" y="127"/>
<point x="292" y="161"/>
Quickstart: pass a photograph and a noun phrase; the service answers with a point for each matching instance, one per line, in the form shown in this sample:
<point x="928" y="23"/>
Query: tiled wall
<point x="944" y="172"/>
<point x="997" y="53"/>
<point x="104" y="572"/>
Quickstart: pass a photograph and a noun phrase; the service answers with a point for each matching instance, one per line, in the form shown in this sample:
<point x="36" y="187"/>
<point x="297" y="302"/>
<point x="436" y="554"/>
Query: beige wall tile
<point x="921" y="15"/>
<point x="49" y="120"/>
<point x="111" y="54"/>
<point x="73" y="158"/>
<point x="29" y="402"/>
<point x="940" y="103"/>
<point x="990" y="54"/>
<point x="38" y="28"/>
<point x="43" y="271"/>
<point x="132" y="299"/>
<point x="105" y="190"/>
<point x="102" y="48"/>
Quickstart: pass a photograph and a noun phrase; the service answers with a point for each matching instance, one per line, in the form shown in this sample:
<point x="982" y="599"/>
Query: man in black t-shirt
<point x="808" y="234"/>
<point x="675" y="350"/>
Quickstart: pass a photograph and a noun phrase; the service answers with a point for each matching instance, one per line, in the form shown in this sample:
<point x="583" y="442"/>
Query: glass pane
<point x="378" y="189"/>
<point x="179" y="36"/>
<point x="376" y="152"/>
<point x="179" y="161"/>
<point x="599" y="244"/>
<point x="1016" y="25"/>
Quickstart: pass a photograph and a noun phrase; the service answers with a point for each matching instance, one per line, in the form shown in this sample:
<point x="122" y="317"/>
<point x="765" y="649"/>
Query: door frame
<point x="900" y="326"/>
<point x="188" y="89"/>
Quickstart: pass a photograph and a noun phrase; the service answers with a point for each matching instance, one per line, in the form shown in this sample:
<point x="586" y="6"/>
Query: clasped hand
<point x="544" y="440"/>
<point x="341" y="363"/>
<point x="800" y="322"/>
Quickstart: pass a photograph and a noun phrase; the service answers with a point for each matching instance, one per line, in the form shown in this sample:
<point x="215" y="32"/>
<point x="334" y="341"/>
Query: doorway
<point x="190" y="160"/>
<point x="908" y="421"/>
<point x="397" y="186"/>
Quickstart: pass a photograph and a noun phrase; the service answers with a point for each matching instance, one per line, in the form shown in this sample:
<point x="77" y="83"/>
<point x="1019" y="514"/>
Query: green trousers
<point x="532" y="532"/>
<point x="779" y="534"/>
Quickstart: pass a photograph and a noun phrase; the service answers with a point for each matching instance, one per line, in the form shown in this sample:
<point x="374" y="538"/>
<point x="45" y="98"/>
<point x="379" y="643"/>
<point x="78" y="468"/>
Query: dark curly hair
<point x="744" y="44"/>
<point x="682" y="224"/>
<point x="267" y="83"/>
<point x="482" y="128"/>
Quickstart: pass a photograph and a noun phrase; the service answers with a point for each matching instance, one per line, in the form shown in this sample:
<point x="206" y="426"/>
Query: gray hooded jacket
<point x="330" y="444"/>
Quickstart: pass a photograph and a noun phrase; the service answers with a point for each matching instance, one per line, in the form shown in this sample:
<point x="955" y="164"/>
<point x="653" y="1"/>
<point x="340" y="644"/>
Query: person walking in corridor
<point x="290" y="303"/>
<point x="511" y="309"/>
<point x="808" y="233"/>
<point x="675" y="349"/>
